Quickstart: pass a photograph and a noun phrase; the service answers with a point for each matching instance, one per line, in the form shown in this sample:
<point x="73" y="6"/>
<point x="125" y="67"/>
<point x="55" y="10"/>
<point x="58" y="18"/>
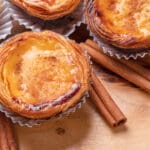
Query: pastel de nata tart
<point x="123" y="23"/>
<point x="47" y="9"/>
<point x="42" y="74"/>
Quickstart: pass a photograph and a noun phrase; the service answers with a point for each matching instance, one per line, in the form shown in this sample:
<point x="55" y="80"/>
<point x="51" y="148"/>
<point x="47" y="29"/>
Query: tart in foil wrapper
<point x="108" y="48"/>
<point x="65" y="25"/>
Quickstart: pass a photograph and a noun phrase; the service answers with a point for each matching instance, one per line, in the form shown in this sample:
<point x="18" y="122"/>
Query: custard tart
<point x="47" y="9"/>
<point x="42" y="74"/>
<point x="122" y="23"/>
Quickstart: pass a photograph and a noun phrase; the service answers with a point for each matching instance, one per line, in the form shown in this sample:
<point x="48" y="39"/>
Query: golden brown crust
<point x="47" y="9"/>
<point x="42" y="74"/>
<point x="123" y="23"/>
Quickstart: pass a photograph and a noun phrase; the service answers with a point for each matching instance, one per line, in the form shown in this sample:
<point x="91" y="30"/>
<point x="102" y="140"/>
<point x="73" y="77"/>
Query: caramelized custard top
<point x="126" y="17"/>
<point x="40" y="71"/>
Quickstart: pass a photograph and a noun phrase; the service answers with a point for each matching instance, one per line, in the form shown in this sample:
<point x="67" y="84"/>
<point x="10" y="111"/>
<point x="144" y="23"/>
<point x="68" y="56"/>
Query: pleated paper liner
<point x="23" y="121"/>
<point x="117" y="52"/>
<point x="5" y="20"/>
<point x="65" y="25"/>
<point x="112" y="50"/>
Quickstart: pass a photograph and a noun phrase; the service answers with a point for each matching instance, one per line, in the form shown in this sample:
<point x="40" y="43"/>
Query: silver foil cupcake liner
<point x="117" y="52"/>
<point x="112" y="50"/>
<point x="23" y="121"/>
<point x="65" y="25"/>
<point x="5" y="20"/>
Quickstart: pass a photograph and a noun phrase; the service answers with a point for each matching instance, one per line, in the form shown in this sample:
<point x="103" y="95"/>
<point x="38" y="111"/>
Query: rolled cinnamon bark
<point x="137" y="68"/>
<point x="117" y="67"/>
<point x="131" y="64"/>
<point x="101" y="107"/>
<point x="7" y="139"/>
<point x="145" y="61"/>
<point x="92" y="44"/>
<point x="111" y="119"/>
<point x="107" y="100"/>
<point x="3" y="136"/>
<point x="10" y="135"/>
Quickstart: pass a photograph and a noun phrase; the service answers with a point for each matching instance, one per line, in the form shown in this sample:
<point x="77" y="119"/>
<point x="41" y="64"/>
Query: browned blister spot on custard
<point x="17" y="67"/>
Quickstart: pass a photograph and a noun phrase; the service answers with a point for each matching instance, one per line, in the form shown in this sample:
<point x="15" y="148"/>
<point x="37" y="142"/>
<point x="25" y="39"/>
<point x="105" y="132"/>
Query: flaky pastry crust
<point x="123" y="23"/>
<point x="47" y="9"/>
<point x="42" y="74"/>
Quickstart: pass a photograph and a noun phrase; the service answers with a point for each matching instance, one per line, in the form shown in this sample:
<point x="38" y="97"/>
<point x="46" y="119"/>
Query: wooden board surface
<point x="86" y="130"/>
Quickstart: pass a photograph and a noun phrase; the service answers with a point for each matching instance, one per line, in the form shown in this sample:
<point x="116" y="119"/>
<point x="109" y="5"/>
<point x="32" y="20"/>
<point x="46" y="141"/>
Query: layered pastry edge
<point x="46" y="10"/>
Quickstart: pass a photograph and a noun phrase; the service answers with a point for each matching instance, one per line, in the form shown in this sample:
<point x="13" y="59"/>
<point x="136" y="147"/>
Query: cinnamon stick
<point x="3" y="137"/>
<point x="145" y="61"/>
<point x="7" y="140"/>
<point x="111" y="121"/>
<point x="92" y="44"/>
<point x="107" y="100"/>
<point x="131" y="64"/>
<point x="118" y="68"/>
<point x="10" y="135"/>
<point x="138" y="68"/>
